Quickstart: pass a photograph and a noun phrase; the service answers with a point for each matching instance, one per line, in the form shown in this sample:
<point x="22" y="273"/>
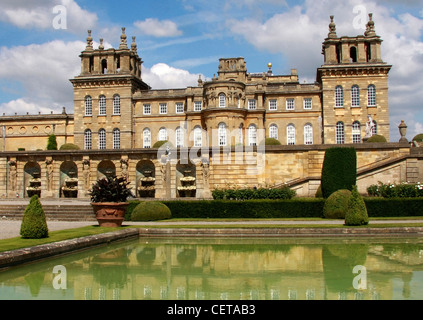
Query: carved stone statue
<point x="86" y="173"/>
<point x="49" y="167"/>
<point x="13" y="175"/>
<point x="369" y="127"/>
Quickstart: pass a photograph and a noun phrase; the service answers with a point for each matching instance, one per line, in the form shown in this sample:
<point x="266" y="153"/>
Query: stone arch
<point x="146" y="179"/>
<point x="186" y="185"/>
<point x="106" y="168"/>
<point x="69" y="179"/>
<point x="32" y="179"/>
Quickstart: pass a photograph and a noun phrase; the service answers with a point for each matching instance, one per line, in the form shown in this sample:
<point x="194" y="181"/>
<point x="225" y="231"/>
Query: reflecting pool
<point x="226" y="268"/>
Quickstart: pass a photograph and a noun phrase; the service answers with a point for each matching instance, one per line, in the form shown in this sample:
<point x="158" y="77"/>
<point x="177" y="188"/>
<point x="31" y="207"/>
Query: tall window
<point x="290" y="134"/>
<point x="198" y="106"/>
<point x="355" y="96"/>
<point x="146" y="138"/>
<point x="340" y="133"/>
<point x="339" y="97"/>
<point x="252" y="135"/>
<point x="116" y="105"/>
<point x="252" y="104"/>
<point x="88" y="139"/>
<point x="273" y="132"/>
<point x="102" y="105"/>
<point x="290" y="104"/>
<point x="102" y="139"/>
<point x="308" y="134"/>
<point x="147" y="109"/>
<point x="371" y="96"/>
<point x="198" y="137"/>
<point x="163" y="108"/>
<point x="179" y="107"/>
<point x="356" y="132"/>
<point x="374" y="129"/>
<point x="162" y="134"/>
<point x="88" y="106"/>
<point x="222" y="100"/>
<point x="116" y="138"/>
<point x="222" y="134"/>
<point x="273" y="104"/>
<point x="179" y="137"/>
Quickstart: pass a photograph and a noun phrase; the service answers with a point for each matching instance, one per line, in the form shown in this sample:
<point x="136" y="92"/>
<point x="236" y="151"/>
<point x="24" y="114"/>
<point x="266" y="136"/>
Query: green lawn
<point x="55" y="236"/>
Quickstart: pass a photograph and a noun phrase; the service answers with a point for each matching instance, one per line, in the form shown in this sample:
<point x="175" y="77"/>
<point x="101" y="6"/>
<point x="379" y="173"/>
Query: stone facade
<point x="216" y="129"/>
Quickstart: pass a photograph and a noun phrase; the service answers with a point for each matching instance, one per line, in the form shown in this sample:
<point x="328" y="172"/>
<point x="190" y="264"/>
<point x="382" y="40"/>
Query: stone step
<point x="52" y="212"/>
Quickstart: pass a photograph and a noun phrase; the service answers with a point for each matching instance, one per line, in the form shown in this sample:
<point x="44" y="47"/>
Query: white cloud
<point x="40" y="14"/>
<point x="43" y="71"/>
<point x="163" y="76"/>
<point x="157" y="28"/>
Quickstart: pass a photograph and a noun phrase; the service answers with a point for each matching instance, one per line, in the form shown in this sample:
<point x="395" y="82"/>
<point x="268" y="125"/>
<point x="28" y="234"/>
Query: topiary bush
<point x="34" y="225"/>
<point x="377" y="138"/>
<point x="319" y="193"/>
<point x="339" y="170"/>
<point x="150" y="211"/>
<point x="356" y="214"/>
<point x="69" y="146"/>
<point x="158" y="144"/>
<point x="418" y="138"/>
<point x="337" y="204"/>
<point x="52" y="142"/>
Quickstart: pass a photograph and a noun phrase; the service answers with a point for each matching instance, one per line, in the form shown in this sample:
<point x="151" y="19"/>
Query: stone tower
<point x="354" y="82"/>
<point x="103" y="95"/>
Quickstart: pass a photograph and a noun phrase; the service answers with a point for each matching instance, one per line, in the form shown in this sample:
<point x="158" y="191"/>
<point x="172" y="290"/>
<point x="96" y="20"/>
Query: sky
<point x="180" y="40"/>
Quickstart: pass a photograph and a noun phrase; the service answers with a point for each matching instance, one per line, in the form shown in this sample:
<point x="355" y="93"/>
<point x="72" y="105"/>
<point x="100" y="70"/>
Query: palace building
<point x="118" y="120"/>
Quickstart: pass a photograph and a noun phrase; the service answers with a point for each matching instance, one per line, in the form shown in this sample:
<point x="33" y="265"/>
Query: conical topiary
<point x="34" y="224"/>
<point x="356" y="214"/>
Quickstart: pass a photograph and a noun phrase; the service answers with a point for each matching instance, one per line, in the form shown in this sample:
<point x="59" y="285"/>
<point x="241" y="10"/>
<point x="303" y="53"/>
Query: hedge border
<point x="279" y="209"/>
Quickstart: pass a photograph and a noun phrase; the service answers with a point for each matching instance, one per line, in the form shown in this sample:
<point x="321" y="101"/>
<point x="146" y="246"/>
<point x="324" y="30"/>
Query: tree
<point x="34" y="224"/>
<point x="339" y="170"/>
<point x="52" y="142"/>
<point x="356" y="214"/>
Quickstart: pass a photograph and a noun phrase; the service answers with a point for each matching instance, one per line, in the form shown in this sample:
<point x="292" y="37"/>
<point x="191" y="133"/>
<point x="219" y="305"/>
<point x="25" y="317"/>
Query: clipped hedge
<point x="377" y="138"/>
<point x="295" y="208"/>
<point x="283" y="193"/>
<point x="150" y="211"/>
<point x="339" y="170"/>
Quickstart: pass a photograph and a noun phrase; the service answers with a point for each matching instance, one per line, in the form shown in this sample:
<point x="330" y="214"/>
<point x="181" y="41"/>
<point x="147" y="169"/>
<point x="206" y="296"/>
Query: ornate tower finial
<point x="123" y="44"/>
<point x="89" y="41"/>
<point x="370" y="28"/>
<point x="332" y="28"/>
<point x="101" y="46"/>
<point x="134" y="45"/>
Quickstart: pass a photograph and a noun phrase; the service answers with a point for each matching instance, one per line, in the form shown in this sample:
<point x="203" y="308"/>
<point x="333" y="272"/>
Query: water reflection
<point x="219" y="269"/>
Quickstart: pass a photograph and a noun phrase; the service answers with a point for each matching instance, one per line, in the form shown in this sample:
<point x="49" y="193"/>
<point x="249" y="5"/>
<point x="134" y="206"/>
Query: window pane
<point x="290" y="134"/>
<point x="222" y="100"/>
<point x="147" y="138"/>
<point x="147" y="109"/>
<point x="252" y="104"/>
<point x="198" y="139"/>
<point x="102" y="139"/>
<point x="273" y="132"/>
<point x="308" y="103"/>
<point x="163" y="108"/>
<point x="87" y="140"/>
<point x="290" y="104"/>
<point x="355" y="96"/>
<point x="116" y="105"/>
<point x="222" y="134"/>
<point x="252" y="135"/>
<point x="340" y="133"/>
<point x="339" y="96"/>
<point x="179" y="108"/>
<point x="198" y="106"/>
<point x="163" y="134"/>
<point x="371" y="96"/>
<point x="273" y="104"/>
<point x="356" y="132"/>
<point x="308" y="134"/>
<point x="179" y="137"/>
<point x="88" y="106"/>
<point x="102" y="105"/>
<point x="116" y="139"/>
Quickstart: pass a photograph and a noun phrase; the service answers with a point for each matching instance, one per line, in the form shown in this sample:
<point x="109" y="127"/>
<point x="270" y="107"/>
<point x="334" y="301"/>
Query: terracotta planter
<point x="110" y="214"/>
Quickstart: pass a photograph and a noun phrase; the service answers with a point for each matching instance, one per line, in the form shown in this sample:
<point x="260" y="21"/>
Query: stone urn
<point x="110" y="214"/>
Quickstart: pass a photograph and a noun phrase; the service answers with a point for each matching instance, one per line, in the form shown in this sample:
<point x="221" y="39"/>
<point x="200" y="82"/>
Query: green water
<point x="220" y="269"/>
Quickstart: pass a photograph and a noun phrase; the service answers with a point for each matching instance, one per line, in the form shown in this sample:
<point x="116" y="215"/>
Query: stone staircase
<point x="53" y="211"/>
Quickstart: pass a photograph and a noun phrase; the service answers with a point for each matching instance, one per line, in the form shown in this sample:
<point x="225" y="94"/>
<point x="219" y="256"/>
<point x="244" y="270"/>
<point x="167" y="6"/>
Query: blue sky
<point x="179" y="40"/>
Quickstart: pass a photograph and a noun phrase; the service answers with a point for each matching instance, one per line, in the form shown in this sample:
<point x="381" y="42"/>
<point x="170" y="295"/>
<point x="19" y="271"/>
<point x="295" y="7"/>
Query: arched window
<point x="355" y="96"/>
<point x="104" y="66"/>
<point x="102" y="139"/>
<point x="146" y="138"/>
<point x="88" y="106"/>
<point x="179" y="137"/>
<point x="116" y="138"/>
<point x="371" y="96"/>
<point x="273" y="131"/>
<point x="116" y="105"/>
<point x="252" y="135"/>
<point x="356" y="132"/>
<point x="222" y="134"/>
<point x="163" y="134"/>
<point x="340" y="133"/>
<point x="339" y="97"/>
<point x="222" y="100"/>
<point x="88" y="139"/>
<point x="308" y="134"/>
<point x="290" y="134"/>
<point x="198" y="137"/>
<point x="102" y="105"/>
